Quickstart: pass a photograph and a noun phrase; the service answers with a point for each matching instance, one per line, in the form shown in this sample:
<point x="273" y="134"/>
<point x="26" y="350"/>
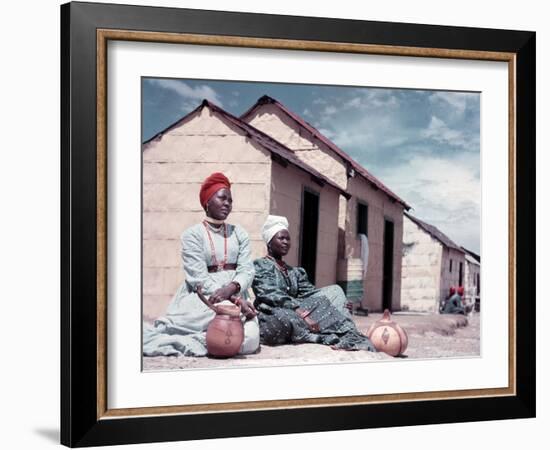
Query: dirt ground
<point x="430" y="336"/>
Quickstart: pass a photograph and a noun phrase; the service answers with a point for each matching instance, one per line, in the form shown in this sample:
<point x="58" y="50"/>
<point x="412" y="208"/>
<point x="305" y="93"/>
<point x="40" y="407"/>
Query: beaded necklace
<point x="281" y="268"/>
<point x="214" y="260"/>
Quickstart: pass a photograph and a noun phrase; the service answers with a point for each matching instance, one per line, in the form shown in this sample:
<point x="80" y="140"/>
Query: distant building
<point x="278" y="164"/>
<point x="432" y="263"/>
<point x="472" y="285"/>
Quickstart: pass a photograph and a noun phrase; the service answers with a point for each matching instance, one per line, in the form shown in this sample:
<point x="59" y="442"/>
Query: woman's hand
<point x="223" y="293"/>
<point x="247" y="308"/>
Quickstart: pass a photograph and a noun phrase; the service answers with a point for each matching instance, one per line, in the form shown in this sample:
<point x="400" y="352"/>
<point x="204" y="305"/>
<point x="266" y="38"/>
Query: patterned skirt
<point x="325" y="324"/>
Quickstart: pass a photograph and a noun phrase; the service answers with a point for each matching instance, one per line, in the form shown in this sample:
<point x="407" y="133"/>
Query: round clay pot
<point x="387" y="336"/>
<point x="225" y="333"/>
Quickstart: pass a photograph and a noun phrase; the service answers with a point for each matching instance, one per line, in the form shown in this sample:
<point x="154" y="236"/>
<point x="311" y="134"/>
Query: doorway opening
<point x="310" y="227"/>
<point x="387" y="280"/>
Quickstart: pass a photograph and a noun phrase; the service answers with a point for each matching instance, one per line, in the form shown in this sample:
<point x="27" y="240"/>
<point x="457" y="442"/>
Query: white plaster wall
<point x="421" y="269"/>
<point x="287" y="184"/>
<point x="173" y="169"/>
<point x="470" y="287"/>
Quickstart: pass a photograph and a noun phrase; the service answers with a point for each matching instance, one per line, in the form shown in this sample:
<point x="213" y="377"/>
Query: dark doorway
<point x="310" y="224"/>
<point x="387" y="281"/>
<point x="362" y="218"/>
<point x="460" y="268"/>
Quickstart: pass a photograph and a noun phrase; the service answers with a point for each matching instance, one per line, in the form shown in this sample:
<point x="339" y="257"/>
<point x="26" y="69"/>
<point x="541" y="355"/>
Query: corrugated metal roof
<point x="278" y="150"/>
<point x="435" y="233"/>
<point x="318" y="135"/>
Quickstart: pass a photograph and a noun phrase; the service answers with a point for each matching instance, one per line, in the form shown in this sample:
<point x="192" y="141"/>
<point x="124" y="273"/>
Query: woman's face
<point x="280" y="243"/>
<point x="220" y="204"/>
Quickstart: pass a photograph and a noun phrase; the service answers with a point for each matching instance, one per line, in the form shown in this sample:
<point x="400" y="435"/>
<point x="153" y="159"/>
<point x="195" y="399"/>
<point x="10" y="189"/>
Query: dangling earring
<point x="207" y="209"/>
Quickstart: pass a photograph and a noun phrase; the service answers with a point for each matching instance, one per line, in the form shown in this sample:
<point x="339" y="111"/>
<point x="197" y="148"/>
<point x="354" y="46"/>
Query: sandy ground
<point x="430" y="336"/>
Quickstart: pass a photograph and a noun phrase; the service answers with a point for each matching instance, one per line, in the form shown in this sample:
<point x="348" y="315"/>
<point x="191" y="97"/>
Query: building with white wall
<point x="431" y="264"/>
<point x="472" y="285"/>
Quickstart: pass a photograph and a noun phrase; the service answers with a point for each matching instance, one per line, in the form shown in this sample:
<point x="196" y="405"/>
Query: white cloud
<point x="440" y="132"/>
<point x="443" y="192"/>
<point x="330" y="110"/>
<point x="353" y="138"/>
<point x="372" y="98"/>
<point x="363" y="131"/>
<point x="356" y="121"/>
<point x="443" y="181"/>
<point x="354" y="102"/>
<point x="189" y="93"/>
<point x="346" y="115"/>
<point x="379" y="98"/>
<point x="458" y="100"/>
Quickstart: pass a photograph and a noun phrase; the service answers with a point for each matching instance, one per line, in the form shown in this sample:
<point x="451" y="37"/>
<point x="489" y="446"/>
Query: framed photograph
<point x="350" y="202"/>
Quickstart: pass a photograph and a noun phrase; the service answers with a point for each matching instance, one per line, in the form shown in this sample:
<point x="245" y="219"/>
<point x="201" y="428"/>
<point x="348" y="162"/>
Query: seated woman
<point x="216" y="256"/>
<point x="290" y="308"/>
<point x="454" y="304"/>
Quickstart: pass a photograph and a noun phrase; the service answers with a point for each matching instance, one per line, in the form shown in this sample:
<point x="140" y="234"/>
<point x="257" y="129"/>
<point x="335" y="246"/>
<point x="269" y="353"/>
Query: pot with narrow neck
<point x="225" y="333"/>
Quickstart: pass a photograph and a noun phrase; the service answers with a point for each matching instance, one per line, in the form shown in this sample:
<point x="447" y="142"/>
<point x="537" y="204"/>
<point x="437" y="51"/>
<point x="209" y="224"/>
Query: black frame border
<point x="79" y="423"/>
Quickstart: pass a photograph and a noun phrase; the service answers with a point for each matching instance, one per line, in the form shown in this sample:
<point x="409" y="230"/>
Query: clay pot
<point x="387" y="336"/>
<point x="225" y="333"/>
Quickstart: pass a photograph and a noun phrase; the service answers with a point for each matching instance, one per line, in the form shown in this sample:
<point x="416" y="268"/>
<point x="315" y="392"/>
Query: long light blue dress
<point x="182" y="331"/>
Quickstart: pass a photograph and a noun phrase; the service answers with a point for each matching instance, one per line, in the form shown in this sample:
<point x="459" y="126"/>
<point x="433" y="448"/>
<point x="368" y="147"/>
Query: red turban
<point x="460" y="290"/>
<point x="452" y="290"/>
<point x="211" y="185"/>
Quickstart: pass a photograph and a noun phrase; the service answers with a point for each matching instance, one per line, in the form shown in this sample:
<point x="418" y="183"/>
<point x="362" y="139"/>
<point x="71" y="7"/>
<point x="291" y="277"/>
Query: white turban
<point x="272" y="226"/>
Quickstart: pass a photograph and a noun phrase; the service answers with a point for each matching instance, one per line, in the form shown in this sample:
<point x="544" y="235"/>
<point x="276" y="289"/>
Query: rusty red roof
<point x="436" y="233"/>
<point x="377" y="184"/>
<point x="278" y="150"/>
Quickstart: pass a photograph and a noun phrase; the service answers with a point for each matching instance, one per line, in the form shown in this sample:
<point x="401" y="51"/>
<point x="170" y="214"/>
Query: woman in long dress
<point x="216" y="256"/>
<point x="290" y="308"/>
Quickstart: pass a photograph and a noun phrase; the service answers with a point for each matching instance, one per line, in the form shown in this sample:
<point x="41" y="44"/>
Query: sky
<point x="424" y="145"/>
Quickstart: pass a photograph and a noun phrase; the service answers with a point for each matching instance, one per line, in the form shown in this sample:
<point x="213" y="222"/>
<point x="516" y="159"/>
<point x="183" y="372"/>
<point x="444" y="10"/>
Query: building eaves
<point x="435" y="233"/>
<point x="472" y="254"/>
<point x="471" y="259"/>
